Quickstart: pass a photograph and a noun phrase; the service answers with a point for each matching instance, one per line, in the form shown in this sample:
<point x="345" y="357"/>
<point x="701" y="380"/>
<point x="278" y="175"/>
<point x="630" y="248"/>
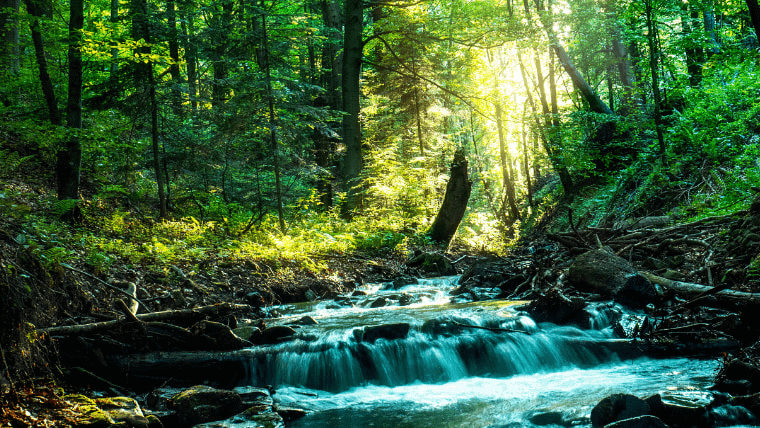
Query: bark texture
<point x="454" y="202"/>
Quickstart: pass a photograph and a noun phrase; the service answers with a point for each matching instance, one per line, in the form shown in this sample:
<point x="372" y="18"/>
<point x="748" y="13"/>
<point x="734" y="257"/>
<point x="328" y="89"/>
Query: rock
<point x="403" y="281"/>
<point x="547" y="418"/>
<point x="556" y="308"/>
<point x="385" y="331"/>
<point x="248" y="332"/>
<point x="290" y="413"/>
<point x="749" y="402"/>
<point x="738" y="370"/>
<point x="255" y="396"/>
<point x="358" y="293"/>
<point x="378" y="303"/>
<point x="601" y="271"/>
<point x="405" y="299"/>
<point x="125" y="410"/>
<point x="89" y="414"/>
<point x="680" y="410"/>
<point x="617" y="407"/>
<point x="645" y="421"/>
<point x="310" y="296"/>
<point x="433" y="264"/>
<point x="220" y="336"/>
<point x="276" y="334"/>
<point x="201" y="404"/>
<point x="306" y="320"/>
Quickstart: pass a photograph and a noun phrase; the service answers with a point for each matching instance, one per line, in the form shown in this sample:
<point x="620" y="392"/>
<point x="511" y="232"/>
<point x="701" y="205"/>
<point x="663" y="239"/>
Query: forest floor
<point x="712" y="251"/>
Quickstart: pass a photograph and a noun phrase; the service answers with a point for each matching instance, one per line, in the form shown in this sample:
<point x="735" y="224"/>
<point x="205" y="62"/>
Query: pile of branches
<point x="713" y="250"/>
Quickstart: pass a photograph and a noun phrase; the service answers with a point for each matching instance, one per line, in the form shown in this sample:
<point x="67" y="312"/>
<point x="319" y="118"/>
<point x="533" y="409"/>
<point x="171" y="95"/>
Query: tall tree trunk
<point x="754" y="14"/>
<point x="352" y="61"/>
<point x="176" y="94"/>
<point x="36" y="9"/>
<point x="555" y="159"/>
<point x="694" y="52"/>
<point x="506" y="165"/>
<point x="455" y="200"/>
<point x="188" y="31"/>
<point x="70" y="158"/>
<point x="272" y="127"/>
<point x="526" y="163"/>
<point x="653" y="42"/>
<point x="708" y="18"/>
<point x="147" y="85"/>
<point x="219" y="88"/>
<point x="10" y="53"/>
<point x="622" y="60"/>
<point x="113" y="72"/>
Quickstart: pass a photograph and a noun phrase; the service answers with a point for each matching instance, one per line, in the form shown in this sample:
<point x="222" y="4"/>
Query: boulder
<point x="219" y="336"/>
<point x="385" y="331"/>
<point x="378" y="303"/>
<point x="681" y="411"/>
<point x="601" y="271"/>
<point x="617" y="407"/>
<point x="125" y="410"/>
<point x="555" y="307"/>
<point x="200" y="404"/>
<point x="276" y="334"/>
<point x="645" y="421"/>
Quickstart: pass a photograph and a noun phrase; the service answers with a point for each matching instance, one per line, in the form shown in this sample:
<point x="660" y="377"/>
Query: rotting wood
<point x="183" y="315"/>
<point x="724" y="299"/>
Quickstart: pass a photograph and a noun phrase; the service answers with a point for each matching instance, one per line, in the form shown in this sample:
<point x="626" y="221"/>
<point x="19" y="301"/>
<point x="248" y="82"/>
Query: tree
<point x="69" y="158"/>
<point x="458" y="190"/>
<point x="754" y="14"/>
<point x="10" y="54"/>
<point x="352" y="63"/>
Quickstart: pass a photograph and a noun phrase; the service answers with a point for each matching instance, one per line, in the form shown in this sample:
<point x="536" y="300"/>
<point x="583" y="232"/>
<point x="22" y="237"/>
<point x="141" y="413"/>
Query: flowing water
<point x="436" y="363"/>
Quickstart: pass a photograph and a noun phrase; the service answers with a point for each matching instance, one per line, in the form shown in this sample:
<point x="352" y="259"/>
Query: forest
<point x="269" y="152"/>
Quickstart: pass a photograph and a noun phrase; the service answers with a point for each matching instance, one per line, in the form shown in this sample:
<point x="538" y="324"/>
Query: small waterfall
<point x="443" y="349"/>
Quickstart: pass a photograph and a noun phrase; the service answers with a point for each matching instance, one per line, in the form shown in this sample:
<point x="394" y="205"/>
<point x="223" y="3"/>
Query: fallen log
<point x="184" y="315"/>
<point x="722" y="299"/>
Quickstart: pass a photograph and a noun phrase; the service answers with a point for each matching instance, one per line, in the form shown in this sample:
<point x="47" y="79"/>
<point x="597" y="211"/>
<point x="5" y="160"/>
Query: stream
<point x="434" y="362"/>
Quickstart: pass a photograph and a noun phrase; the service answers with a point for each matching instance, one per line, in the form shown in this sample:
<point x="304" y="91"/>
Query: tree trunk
<point x="70" y="158"/>
<point x="36" y="10"/>
<point x="221" y="31"/>
<point x="352" y="61"/>
<point x="141" y="30"/>
<point x="272" y="128"/>
<point x="754" y="14"/>
<point x="694" y="52"/>
<point x="526" y="164"/>
<point x="10" y="53"/>
<point x="653" y="42"/>
<point x="176" y="94"/>
<point x="188" y="30"/>
<point x="454" y="201"/>
<point x="506" y="165"/>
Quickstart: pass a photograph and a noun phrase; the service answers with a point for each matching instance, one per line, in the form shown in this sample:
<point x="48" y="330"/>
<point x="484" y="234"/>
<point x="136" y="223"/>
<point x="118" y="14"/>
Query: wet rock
<point x="306" y="320"/>
<point x="681" y="410"/>
<point x="358" y="293"/>
<point x="601" y="271"/>
<point x="403" y="281"/>
<point x="557" y="308"/>
<point x="406" y="299"/>
<point x="219" y="335"/>
<point x="618" y="407"/>
<point x="125" y="410"/>
<point x="254" y="396"/>
<point x="645" y="421"/>
<point x="276" y="334"/>
<point x="248" y="332"/>
<point x="310" y="296"/>
<point x="433" y="264"/>
<point x="109" y="412"/>
<point x="547" y="418"/>
<point x="736" y="370"/>
<point x="385" y="331"/>
<point x="749" y="402"/>
<point x="378" y="303"/>
<point x="201" y="404"/>
<point x="290" y="414"/>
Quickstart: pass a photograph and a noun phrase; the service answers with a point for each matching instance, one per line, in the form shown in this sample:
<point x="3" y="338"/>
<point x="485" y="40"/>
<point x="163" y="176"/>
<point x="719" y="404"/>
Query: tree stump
<point x="454" y="201"/>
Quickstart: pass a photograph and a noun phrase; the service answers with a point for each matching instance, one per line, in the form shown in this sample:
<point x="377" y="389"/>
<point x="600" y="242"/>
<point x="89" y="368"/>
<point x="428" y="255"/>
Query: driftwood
<point x="185" y="315"/>
<point x="708" y="296"/>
